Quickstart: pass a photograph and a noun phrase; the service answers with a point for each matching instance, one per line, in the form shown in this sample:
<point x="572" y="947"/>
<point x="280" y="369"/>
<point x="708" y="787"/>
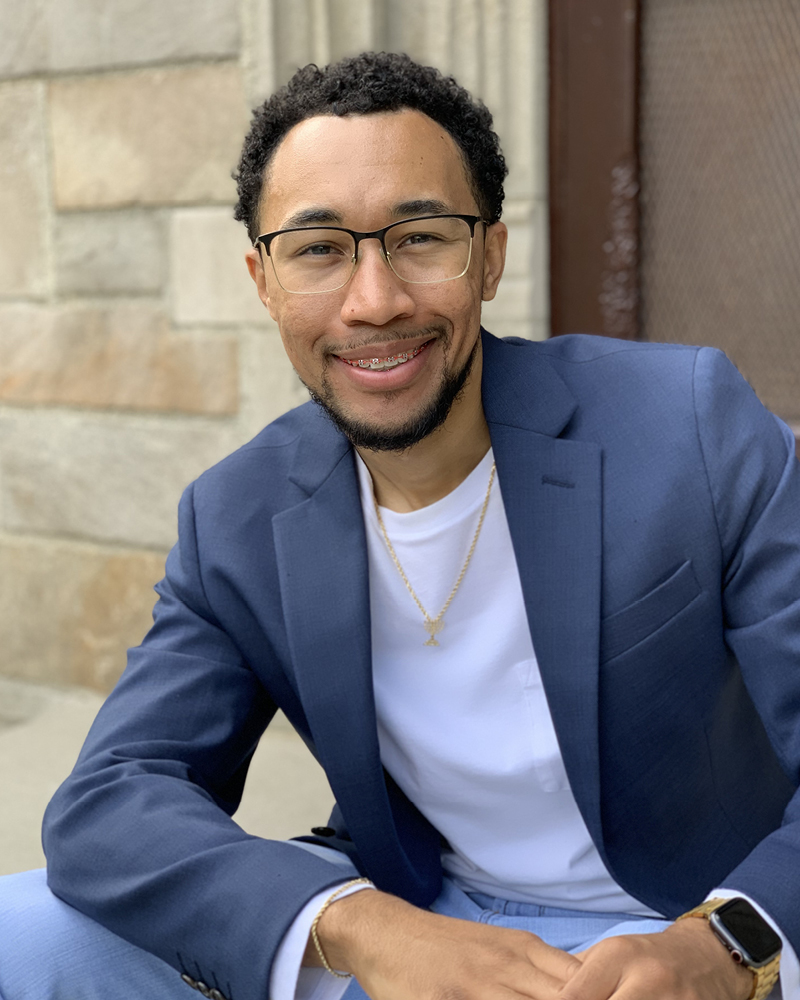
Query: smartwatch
<point x="747" y="936"/>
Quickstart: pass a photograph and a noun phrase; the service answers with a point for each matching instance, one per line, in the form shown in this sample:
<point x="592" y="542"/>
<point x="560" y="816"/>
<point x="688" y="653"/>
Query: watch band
<point x="765" y="977"/>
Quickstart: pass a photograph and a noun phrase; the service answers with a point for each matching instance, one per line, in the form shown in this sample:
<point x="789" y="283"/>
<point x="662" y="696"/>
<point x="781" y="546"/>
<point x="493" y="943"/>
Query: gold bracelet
<point x="323" y="908"/>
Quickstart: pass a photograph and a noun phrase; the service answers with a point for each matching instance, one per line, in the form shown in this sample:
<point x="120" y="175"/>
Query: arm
<point x="140" y="837"/>
<point x="754" y="478"/>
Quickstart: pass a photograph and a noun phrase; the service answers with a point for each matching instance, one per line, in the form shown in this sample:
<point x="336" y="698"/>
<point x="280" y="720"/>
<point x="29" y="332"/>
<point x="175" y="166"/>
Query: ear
<point x="494" y="259"/>
<point x="255" y="265"/>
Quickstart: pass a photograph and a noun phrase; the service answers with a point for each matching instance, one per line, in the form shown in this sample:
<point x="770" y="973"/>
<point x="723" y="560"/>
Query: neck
<point x="421" y="475"/>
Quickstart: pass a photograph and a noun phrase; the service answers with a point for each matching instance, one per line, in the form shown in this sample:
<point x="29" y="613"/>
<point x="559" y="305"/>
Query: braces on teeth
<point x="381" y="364"/>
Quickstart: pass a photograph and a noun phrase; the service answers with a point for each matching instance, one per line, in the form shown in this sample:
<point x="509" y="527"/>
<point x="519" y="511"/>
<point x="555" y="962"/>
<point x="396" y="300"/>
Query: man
<point x="534" y="607"/>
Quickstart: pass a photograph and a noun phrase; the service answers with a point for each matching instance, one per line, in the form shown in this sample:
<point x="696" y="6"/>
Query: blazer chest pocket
<point x="624" y="629"/>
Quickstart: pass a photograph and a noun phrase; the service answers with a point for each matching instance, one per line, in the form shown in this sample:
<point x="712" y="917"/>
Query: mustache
<point x="383" y="336"/>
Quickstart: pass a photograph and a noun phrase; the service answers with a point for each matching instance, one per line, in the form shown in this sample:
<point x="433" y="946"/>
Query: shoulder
<point x="262" y="469"/>
<point x="581" y="356"/>
<point x="621" y="379"/>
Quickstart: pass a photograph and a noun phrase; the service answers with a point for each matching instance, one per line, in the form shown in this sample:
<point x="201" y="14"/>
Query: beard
<point x="374" y="438"/>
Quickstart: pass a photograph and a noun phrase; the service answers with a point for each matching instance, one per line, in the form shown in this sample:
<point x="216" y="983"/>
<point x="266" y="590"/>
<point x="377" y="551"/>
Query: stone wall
<point x="134" y="352"/>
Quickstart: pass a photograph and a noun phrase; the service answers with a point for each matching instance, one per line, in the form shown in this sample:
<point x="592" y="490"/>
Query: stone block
<point x="39" y="36"/>
<point x="23" y="37"/>
<point x="120" y="356"/>
<point x="211" y="284"/>
<point x="23" y="190"/>
<point x="69" y="611"/>
<point x="108" y="480"/>
<point x="90" y="34"/>
<point x="269" y="384"/>
<point x="97" y="253"/>
<point x="149" y="137"/>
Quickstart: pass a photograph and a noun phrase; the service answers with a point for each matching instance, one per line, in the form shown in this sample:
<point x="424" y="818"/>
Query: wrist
<point x="350" y="928"/>
<point x="699" y="937"/>
<point x="746" y="935"/>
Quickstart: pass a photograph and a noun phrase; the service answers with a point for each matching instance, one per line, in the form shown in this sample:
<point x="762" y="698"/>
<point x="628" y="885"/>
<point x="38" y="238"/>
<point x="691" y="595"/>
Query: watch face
<point x="752" y="932"/>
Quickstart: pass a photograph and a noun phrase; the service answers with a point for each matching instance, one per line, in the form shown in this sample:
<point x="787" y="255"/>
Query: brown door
<point x="675" y="178"/>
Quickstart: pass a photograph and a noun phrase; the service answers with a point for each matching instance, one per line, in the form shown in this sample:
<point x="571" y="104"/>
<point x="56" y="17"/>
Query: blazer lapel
<point x="323" y="572"/>
<point x="551" y="490"/>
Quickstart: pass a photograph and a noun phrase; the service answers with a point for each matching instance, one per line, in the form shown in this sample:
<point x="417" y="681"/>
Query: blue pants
<point x="49" y="951"/>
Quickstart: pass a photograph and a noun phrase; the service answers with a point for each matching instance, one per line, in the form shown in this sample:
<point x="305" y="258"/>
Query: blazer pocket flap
<point x="625" y="628"/>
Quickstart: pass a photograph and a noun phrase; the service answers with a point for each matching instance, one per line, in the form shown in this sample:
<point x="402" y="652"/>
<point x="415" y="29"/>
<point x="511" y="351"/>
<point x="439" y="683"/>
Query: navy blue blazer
<point x="654" y="508"/>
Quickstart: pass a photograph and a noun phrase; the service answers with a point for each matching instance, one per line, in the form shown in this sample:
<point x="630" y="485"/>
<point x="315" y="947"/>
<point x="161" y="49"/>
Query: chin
<point x="373" y="436"/>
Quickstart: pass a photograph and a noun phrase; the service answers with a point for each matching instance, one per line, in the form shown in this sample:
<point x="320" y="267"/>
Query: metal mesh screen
<point x="720" y="150"/>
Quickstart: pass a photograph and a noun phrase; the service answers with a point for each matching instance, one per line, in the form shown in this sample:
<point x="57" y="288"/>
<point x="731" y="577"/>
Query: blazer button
<point x="216" y="995"/>
<point x="323" y="831"/>
<point x="189" y="981"/>
<point x="204" y="989"/>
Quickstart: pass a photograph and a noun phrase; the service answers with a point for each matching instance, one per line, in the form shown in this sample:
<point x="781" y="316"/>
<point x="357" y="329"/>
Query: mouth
<point x="385" y="363"/>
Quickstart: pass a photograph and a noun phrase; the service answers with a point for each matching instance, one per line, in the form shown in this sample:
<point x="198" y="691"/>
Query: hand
<point x="685" y="962"/>
<point x="400" y="952"/>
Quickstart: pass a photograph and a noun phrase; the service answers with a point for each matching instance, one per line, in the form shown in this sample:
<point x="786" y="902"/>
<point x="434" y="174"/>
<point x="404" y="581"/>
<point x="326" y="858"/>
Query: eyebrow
<point x="316" y="216"/>
<point x="321" y="216"/>
<point x="421" y="206"/>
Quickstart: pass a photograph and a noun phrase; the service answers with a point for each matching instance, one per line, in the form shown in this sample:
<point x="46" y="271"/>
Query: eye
<point x="319" y="250"/>
<point x="419" y="239"/>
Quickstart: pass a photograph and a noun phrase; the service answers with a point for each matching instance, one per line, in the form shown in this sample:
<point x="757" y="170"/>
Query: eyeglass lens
<point x="421" y="252"/>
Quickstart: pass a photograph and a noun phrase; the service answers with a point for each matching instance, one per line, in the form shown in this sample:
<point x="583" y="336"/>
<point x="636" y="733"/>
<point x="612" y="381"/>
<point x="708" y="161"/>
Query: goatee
<point x="364" y="435"/>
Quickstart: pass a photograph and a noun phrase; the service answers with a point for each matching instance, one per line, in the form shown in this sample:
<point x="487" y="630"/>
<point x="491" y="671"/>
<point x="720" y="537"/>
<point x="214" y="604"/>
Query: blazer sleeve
<point x="140" y="836"/>
<point x="754" y="478"/>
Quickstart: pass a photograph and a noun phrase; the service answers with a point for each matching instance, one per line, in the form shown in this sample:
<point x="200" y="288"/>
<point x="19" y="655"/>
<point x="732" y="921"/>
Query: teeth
<point x="381" y="364"/>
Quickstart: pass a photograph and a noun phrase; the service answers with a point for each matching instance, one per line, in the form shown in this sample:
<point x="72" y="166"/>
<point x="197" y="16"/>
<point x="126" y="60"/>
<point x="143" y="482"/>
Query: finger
<point x="595" y="980"/>
<point x="542" y="973"/>
<point x="553" y="961"/>
<point x="533" y="984"/>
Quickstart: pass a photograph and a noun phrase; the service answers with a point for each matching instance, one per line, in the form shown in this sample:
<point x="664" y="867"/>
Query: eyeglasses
<point x="421" y="251"/>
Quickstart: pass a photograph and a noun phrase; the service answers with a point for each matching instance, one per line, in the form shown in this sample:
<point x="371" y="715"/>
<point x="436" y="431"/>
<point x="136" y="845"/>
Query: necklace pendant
<point x="433" y="627"/>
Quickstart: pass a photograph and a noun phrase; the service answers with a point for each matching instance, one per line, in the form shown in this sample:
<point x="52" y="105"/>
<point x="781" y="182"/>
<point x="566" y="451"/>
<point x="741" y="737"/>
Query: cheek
<point x="301" y="330"/>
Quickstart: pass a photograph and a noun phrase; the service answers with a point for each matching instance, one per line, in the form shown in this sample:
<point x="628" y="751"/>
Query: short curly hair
<point x="367" y="84"/>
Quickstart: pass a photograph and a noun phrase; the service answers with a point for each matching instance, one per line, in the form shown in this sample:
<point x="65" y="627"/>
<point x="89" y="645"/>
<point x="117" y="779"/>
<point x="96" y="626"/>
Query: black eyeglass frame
<point x="378" y="234"/>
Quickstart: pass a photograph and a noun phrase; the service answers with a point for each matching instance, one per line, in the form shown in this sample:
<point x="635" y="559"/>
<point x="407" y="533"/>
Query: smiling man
<point x="533" y="606"/>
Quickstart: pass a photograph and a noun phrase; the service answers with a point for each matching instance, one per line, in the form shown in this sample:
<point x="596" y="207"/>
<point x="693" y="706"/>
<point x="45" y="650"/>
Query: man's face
<point x="363" y="173"/>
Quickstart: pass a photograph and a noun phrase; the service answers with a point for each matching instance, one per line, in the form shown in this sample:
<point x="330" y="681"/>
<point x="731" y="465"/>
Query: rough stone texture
<point x="23" y="37"/>
<point x="38" y="36"/>
<point x="87" y="34"/>
<point x="116" y="356"/>
<point x="69" y="611"/>
<point x="211" y="284"/>
<point x="108" y="480"/>
<point x="23" y="191"/>
<point x="169" y="136"/>
<point x="97" y="253"/>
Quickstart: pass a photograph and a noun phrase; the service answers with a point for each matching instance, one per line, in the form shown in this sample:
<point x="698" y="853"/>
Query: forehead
<point x="362" y="167"/>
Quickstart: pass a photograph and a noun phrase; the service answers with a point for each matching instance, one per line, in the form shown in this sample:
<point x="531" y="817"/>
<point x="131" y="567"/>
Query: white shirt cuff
<point x="289" y="979"/>
<point x="790" y="967"/>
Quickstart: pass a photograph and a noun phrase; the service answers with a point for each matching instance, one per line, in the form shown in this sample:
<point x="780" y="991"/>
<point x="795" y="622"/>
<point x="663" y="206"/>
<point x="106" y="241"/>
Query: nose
<point x="374" y="294"/>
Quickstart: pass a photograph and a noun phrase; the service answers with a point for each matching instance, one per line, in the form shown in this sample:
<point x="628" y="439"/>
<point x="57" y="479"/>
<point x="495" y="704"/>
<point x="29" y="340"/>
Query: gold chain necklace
<point x="435" y="625"/>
